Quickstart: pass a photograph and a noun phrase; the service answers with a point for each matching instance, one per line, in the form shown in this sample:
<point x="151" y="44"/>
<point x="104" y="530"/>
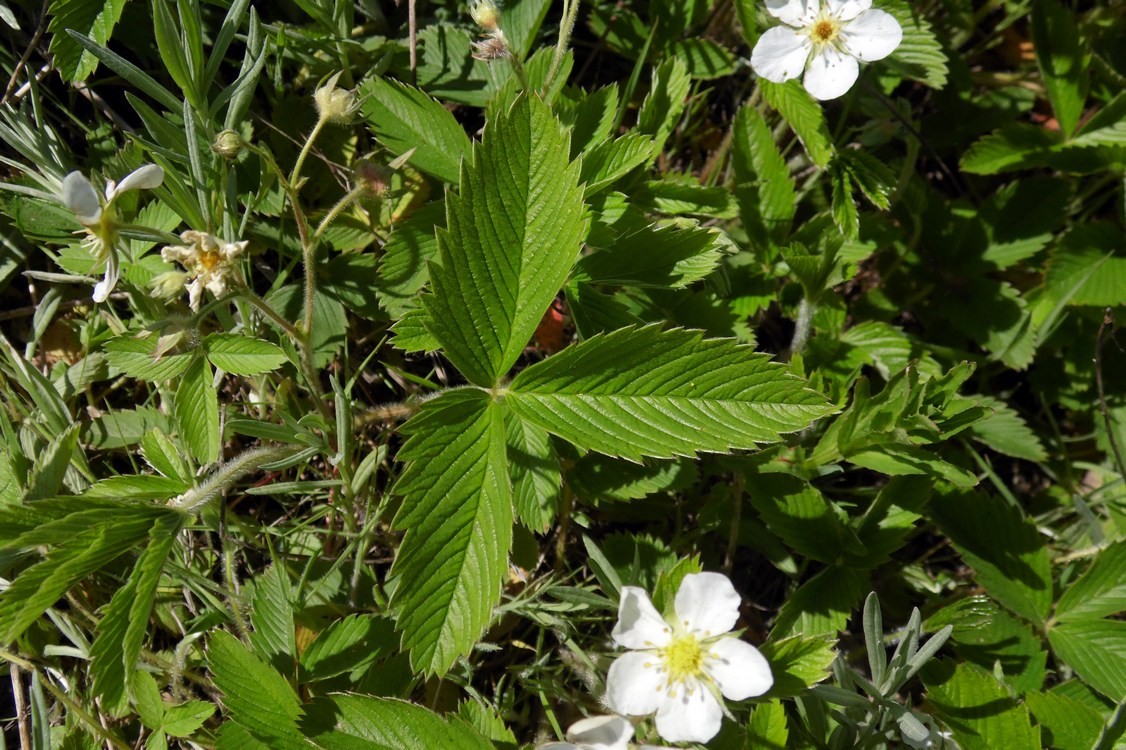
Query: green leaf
<point x="767" y="728"/>
<point x="1007" y="432"/>
<point x="704" y="58"/>
<point x="597" y="478"/>
<point x="871" y="175"/>
<point x="759" y="166"/>
<point x="845" y="215"/>
<point x="122" y="630"/>
<point x="50" y="467"/>
<point x="513" y="232"/>
<point x="611" y="160"/>
<point x="1067" y="723"/>
<point x="1013" y="146"/>
<point x="1100" y="592"/>
<point x="403" y="266"/>
<point x="980" y="712"/>
<point x="1096" y="650"/>
<point x="140" y="487"/>
<point x="163" y="455"/>
<point x="330" y="324"/>
<point x="1076" y="253"/>
<point x="457" y="514"/>
<point x="660" y="112"/>
<point x="146" y="696"/>
<point x="349" y="645"/>
<point x="919" y="54"/>
<point x="806" y="520"/>
<point x="668" y="257"/>
<point x="533" y="467"/>
<point x="95" y="18"/>
<point x="591" y="118"/>
<point x="821" y="605"/>
<point x="138" y="358"/>
<point x="272" y="617"/>
<point x="172" y="51"/>
<point x="411" y="333"/>
<point x="357" y="722"/>
<point x="448" y="71"/>
<point x="86" y="549"/>
<point x="798" y="663"/>
<point x="182" y="720"/>
<point x="197" y="412"/>
<point x="646" y="392"/>
<point x="804" y="116"/>
<point x="257" y="697"/>
<point x="521" y="19"/>
<point x="242" y="355"/>
<point x="404" y="118"/>
<point x="1006" y="551"/>
<point x="1063" y="59"/>
<point x="990" y="637"/>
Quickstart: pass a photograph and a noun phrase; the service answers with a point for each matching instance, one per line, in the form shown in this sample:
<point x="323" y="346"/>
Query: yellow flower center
<point x="684" y="658"/>
<point x="209" y="260"/>
<point x="825" y="30"/>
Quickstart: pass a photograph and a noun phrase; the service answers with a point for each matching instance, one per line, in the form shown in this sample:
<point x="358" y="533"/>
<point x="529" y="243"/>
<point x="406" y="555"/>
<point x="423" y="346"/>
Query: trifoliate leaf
<point x="457" y="514"/>
<point x="646" y="392"/>
<point x="513" y="231"/>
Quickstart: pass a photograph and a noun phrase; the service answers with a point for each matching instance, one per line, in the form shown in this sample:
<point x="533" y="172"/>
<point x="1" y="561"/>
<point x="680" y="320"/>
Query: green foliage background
<point x="510" y="334"/>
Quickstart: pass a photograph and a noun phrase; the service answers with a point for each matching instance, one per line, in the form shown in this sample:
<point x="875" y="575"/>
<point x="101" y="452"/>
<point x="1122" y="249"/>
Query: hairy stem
<point x="223" y="479"/>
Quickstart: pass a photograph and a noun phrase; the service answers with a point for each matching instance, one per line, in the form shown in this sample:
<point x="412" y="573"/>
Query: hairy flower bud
<point x="335" y="104"/>
<point x="228" y="144"/>
<point x="485" y="14"/>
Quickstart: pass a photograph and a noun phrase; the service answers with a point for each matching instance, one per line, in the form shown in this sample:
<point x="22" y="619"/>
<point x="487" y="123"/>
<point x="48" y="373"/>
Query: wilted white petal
<point x="692" y="716"/>
<point x="79" y="196"/>
<point x="639" y="625"/>
<point x="830" y="74"/>
<point x="195" y="293"/>
<point x="739" y="669"/>
<point x="109" y="281"/>
<point x="602" y="732"/>
<point x="873" y="35"/>
<point x="793" y="12"/>
<point x="845" y="10"/>
<point x="146" y="177"/>
<point x="217" y="284"/>
<point x="232" y="250"/>
<point x="780" y="54"/>
<point x="633" y="684"/>
<point x="707" y="604"/>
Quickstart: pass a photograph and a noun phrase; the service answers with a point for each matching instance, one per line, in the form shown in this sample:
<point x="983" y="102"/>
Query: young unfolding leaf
<point x="646" y="392"/>
<point x="513" y="231"/>
<point x="457" y="514"/>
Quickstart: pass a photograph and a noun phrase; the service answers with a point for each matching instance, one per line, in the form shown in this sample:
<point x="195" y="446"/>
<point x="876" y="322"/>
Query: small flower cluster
<point x="679" y="669"/>
<point x="208" y="261"/>
<point x="827" y="39"/>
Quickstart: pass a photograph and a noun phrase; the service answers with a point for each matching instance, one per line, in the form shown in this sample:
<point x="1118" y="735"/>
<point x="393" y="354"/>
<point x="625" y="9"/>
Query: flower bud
<point x="374" y="178"/>
<point x="168" y="285"/>
<point x="485" y="14"/>
<point x="228" y="144"/>
<point x="335" y="104"/>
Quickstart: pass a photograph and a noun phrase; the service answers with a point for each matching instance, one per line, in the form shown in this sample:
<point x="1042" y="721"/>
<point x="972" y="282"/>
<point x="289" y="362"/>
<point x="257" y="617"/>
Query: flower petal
<point x="633" y="684"/>
<point x="558" y="746"/>
<point x="707" y="604"/>
<point x="195" y="293"/>
<point x="873" y="35"/>
<point x="793" y="12"/>
<point x="109" y="281"/>
<point x="602" y="732"/>
<point x="639" y="625"/>
<point x="79" y="196"/>
<point x="846" y="10"/>
<point x="694" y="715"/>
<point x="780" y="54"/>
<point x="147" y="177"/>
<point x="830" y="74"/>
<point x="738" y="668"/>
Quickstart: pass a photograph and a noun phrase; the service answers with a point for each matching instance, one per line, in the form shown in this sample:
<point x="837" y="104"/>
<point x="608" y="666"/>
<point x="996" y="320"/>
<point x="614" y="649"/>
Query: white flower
<point x="207" y="260"/>
<point x="99" y="218"/>
<point x="598" y="733"/>
<point x="825" y="38"/>
<point x="679" y="668"/>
